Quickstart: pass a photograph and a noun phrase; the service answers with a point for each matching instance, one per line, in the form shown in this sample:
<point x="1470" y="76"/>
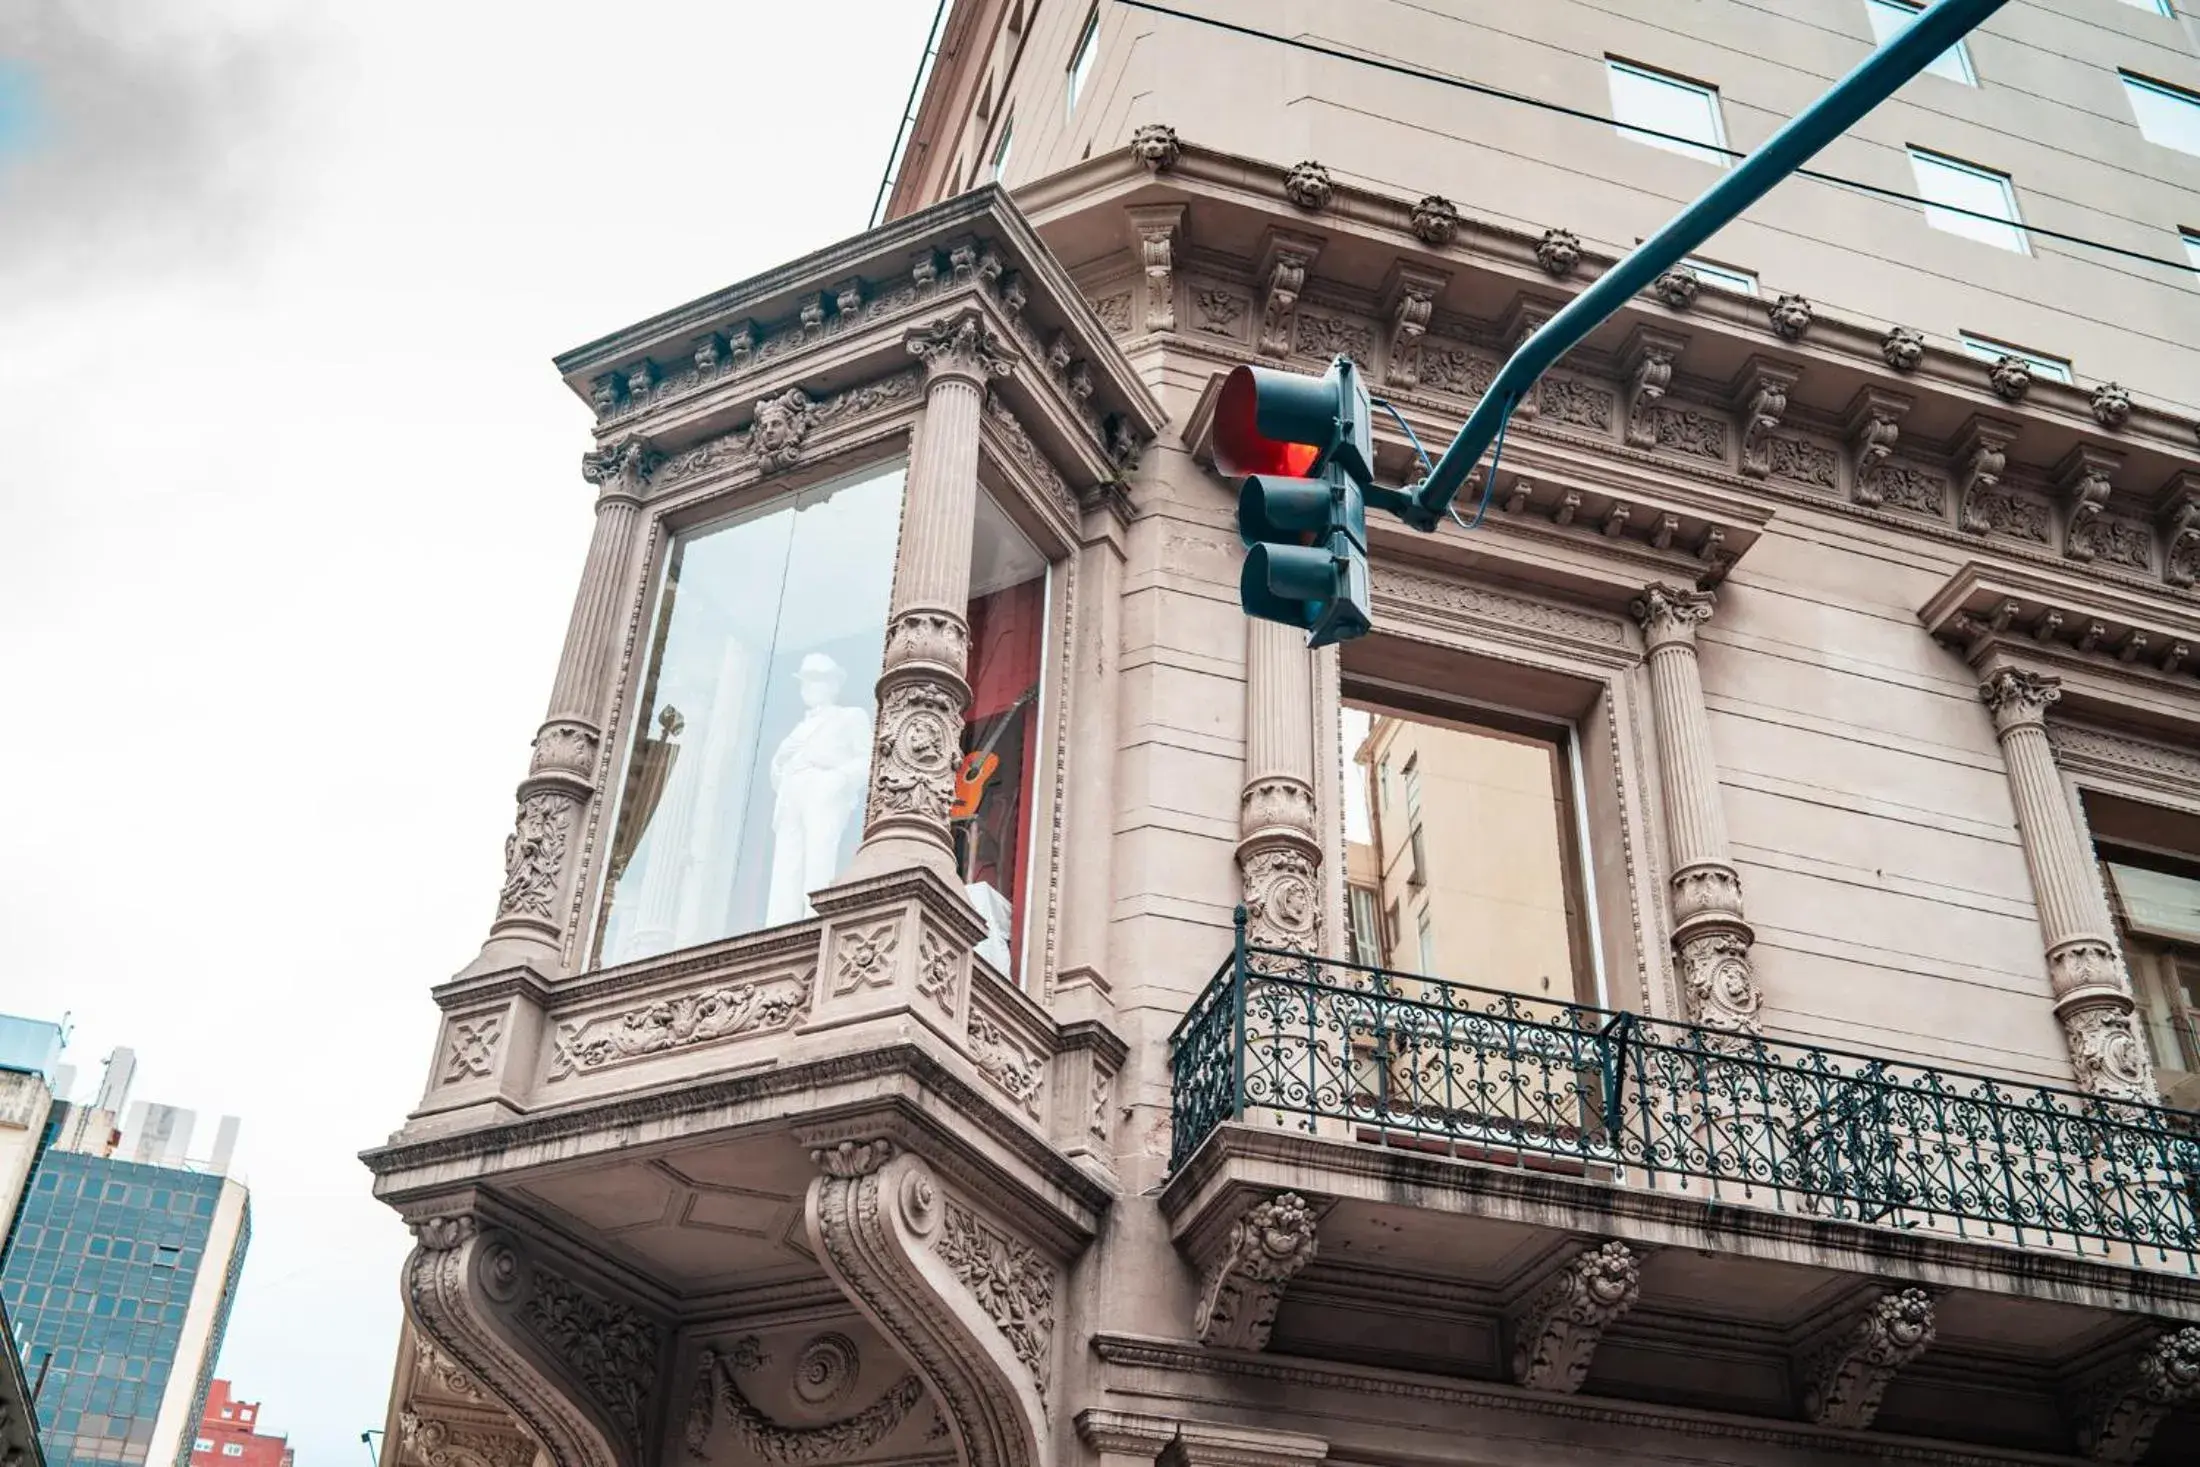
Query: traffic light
<point x="1303" y="447"/>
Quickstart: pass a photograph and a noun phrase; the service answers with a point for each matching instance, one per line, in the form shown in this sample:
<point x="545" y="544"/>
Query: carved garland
<point x="768" y="1440"/>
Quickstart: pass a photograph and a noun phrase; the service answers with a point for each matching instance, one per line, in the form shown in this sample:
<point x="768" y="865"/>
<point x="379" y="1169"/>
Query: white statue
<point x="818" y="773"/>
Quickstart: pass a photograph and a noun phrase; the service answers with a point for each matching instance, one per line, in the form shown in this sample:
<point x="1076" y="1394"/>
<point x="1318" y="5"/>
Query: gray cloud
<point x="148" y="138"/>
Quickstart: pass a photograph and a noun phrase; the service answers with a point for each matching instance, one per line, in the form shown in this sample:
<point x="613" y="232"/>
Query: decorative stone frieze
<point x="1559" y="253"/>
<point x="1159" y="229"/>
<point x="1761" y="402"/>
<point x="1902" y="348"/>
<point x="1791" y="316"/>
<point x="1435" y="221"/>
<point x="1556" y="1336"/>
<point x="436" y="1441"/>
<point x="1845" y="1382"/>
<point x="1646" y="364"/>
<point x="1282" y="275"/>
<point x="1677" y="287"/>
<point x="2117" y="1421"/>
<point x="718" y="1389"/>
<point x="575" y="1367"/>
<point x="1308" y="186"/>
<point x="1243" y="1284"/>
<point x="2092" y="995"/>
<point x="2085" y="478"/>
<point x="1154" y="144"/>
<point x="1411" y="301"/>
<point x="1873" y="427"/>
<point x="966" y="1303"/>
<point x="1711" y="939"/>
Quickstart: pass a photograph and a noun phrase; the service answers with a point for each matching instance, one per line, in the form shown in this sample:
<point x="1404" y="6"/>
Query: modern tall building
<point x="119" y="1274"/>
<point x="229" y="1434"/>
<point x="933" y="1010"/>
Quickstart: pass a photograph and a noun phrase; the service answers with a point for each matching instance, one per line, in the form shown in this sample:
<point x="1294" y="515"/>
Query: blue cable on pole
<point x="1489" y="480"/>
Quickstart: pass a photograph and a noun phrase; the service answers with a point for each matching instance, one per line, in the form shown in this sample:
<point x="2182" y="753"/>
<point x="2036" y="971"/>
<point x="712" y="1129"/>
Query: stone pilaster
<point x="1710" y="938"/>
<point x="1088" y="897"/>
<point x="2092" y="995"/>
<point x="539" y="854"/>
<point x="1279" y="853"/>
<point x="923" y="691"/>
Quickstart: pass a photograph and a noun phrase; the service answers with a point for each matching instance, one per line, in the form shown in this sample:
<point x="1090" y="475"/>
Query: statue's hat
<point x="820" y="668"/>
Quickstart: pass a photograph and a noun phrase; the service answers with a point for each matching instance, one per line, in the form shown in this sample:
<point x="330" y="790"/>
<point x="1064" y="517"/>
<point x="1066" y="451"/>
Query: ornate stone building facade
<point x="918" y="1022"/>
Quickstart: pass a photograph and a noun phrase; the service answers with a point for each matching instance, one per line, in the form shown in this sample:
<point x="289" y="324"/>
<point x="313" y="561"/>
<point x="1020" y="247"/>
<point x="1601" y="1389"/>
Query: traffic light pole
<point x="1934" y="31"/>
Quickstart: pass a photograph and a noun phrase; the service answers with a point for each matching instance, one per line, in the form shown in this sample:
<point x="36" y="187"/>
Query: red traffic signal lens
<point x="1240" y="445"/>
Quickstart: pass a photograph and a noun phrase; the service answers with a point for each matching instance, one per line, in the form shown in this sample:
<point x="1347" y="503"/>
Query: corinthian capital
<point x="622" y="467"/>
<point x="1671" y="613"/>
<point x="2017" y="698"/>
<point x="960" y="346"/>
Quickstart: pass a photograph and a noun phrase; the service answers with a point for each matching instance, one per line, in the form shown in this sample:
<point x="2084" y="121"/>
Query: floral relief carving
<point x="439" y="1443"/>
<point x="1114" y="312"/>
<point x="1243" y="1286"/>
<point x="1999" y="512"/>
<point x="1028" y="453"/>
<point x="1846" y="1382"/>
<point x="768" y="1005"/>
<point x="1558" y="1333"/>
<point x="1329" y="336"/>
<point x="1583" y="404"/>
<point x="1157" y="230"/>
<point x="1017" y="1071"/>
<point x="1282" y="900"/>
<point x="863" y="957"/>
<point x="937" y="970"/>
<point x="1913" y="489"/>
<point x="442" y="1373"/>
<point x="1456" y="369"/>
<point x="534" y="856"/>
<point x="1800" y="461"/>
<point x="1716" y="977"/>
<point x="2016" y="698"/>
<point x="610" y="1348"/>
<point x="1513" y="611"/>
<point x="919" y="733"/>
<point x="961" y="345"/>
<point x="937" y="637"/>
<point x="745" y="446"/>
<point x="473" y="1048"/>
<point x="1672" y="613"/>
<point x="2106" y="1053"/>
<point x="1687" y="431"/>
<point x="1011" y="1281"/>
<point x="2122" y="542"/>
<point x="792" y="1446"/>
<point x="567" y="748"/>
<point x="1219" y="310"/>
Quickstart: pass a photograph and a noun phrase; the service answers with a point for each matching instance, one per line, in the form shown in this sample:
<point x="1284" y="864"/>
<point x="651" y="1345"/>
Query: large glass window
<point x="745" y="784"/>
<point x="2150" y="870"/>
<point x="1685" y="111"/>
<point x="1890" y="18"/>
<point x="2167" y="115"/>
<point x="1080" y="62"/>
<point x="2191" y="237"/>
<point x="1986" y="349"/>
<point x="1952" y="186"/>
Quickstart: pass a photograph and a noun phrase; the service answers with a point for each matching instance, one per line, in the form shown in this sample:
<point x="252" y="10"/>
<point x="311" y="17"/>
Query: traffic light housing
<point x="1303" y="448"/>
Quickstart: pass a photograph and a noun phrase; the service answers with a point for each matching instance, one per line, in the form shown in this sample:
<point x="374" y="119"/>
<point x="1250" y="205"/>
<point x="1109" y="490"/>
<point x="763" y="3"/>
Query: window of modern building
<point x="1080" y="61"/>
<point x="1686" y="112"/>
<point x="202" y="1444"/>
<point x="1890" y="18"/>
<point x="999" y="165"/>
<point x="1986" y="349"/>
<point x="1719" y="277"/>
<point x="232" y="1449"/>
<point x="2167" y="115"/>
<point x="2159" y="7"/>
<point x="1951" y="186"/>
<point x="2192" y="248"/>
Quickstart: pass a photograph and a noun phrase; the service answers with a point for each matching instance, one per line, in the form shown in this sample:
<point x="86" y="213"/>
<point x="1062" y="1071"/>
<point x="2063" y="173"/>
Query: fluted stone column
<point x="1279" y="852"/>
<point x="538" y="854"/>
<point x="2085" y="972"/>
<point x="1088" y="898"/>
<point x="923" y="687"/>
<point x="1710" y="938"/>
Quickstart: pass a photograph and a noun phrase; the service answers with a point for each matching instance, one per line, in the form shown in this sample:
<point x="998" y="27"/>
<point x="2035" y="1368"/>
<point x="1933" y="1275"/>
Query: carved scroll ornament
<point x="1558" y="1333"/>
<point x="716" y="1386"/>
<point x="1243" y="1284"/>
<point x="1847" y="1380"/>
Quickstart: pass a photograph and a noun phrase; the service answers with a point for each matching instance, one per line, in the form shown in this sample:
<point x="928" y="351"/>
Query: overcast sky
<point x="291" y="513"/>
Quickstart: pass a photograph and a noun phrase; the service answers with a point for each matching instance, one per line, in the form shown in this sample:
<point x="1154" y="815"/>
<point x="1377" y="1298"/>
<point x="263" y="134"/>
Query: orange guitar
<point x="981" y="764"/>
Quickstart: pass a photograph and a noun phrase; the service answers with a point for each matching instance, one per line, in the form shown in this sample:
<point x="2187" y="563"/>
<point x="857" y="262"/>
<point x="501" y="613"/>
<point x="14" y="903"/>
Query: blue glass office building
<point x="103" y="1269"/>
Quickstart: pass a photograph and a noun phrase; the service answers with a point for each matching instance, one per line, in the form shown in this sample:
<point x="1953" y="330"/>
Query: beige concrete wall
<point x="2050" y="112"/>
<point x="200" y="1340"/>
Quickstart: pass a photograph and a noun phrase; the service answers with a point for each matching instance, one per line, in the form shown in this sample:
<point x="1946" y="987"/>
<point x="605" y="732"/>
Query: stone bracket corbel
<point x="1982" y="452"/>
<point x="1646" y="365"/>
<point x="2180" y="517"/>
<point x="1159" y="230"/>
<point x="1286" y="257"/>
<point x="1522" y="319"/>
<point x="2085" y="478"/>
<point x="1760" y="400"/>
<point x="2119" y="1413"/>
<point x="1242" y="1284"/>
<point x="574" y="1365"/>
<point x="1408" y="301"/>
<point x="1555" y="1336"/>
<point x="969" y="1304"/>
<point x="1872" y="427"/>
<point x="1844" y="1381"/>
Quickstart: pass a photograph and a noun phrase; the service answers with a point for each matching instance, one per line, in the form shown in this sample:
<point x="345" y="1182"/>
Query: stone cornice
<point x="1135" y="1352"/>
<point x="1239" y="1163"/>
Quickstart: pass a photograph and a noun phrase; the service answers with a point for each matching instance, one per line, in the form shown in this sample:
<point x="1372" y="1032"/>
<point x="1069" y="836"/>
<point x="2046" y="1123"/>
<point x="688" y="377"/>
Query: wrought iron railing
<point x="1371" y="1055"/>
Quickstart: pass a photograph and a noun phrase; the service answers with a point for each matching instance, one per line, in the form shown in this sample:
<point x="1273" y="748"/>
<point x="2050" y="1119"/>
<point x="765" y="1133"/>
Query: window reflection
<point x="744" y="789"/>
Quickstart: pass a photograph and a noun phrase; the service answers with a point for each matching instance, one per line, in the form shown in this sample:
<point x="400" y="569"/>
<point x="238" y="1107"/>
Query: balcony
<point x="1755" y="1212"/>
